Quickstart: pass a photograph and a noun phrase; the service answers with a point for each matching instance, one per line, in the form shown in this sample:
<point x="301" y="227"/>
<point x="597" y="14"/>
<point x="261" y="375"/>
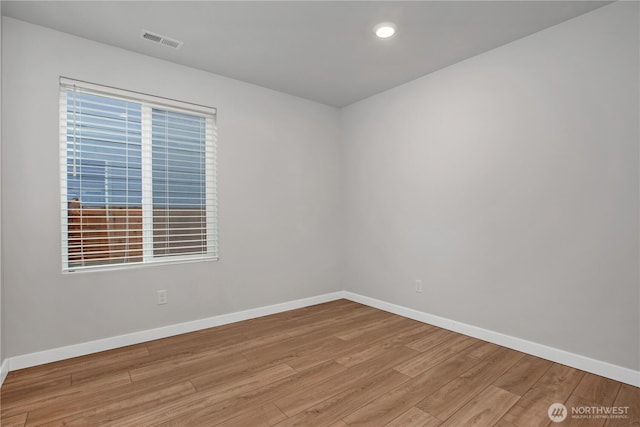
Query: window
<point x="137" y="178"/>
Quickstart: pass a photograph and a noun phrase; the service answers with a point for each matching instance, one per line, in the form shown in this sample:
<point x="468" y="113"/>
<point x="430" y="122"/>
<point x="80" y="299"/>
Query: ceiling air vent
<point x="157" y="38"/>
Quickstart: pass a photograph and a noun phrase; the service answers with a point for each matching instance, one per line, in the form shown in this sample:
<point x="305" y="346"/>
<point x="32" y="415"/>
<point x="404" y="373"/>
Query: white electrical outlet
<point x="162" y="297"/>
<point x="419" y="286"/>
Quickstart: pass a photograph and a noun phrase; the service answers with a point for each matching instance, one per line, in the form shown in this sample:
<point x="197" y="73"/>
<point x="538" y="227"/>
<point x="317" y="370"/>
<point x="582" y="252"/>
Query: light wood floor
<point x="335" y="364"/>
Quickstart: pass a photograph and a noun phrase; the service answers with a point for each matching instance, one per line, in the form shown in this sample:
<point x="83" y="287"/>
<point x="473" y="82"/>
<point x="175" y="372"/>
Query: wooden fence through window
<point x="107" y="235"/>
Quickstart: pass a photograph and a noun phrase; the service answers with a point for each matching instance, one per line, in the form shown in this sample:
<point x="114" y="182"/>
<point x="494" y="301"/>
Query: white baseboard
<point x="598" y="367"/>
<point x="4" y="370"/>
<point x="584" y="363"/>
<point x="61" y="353"/>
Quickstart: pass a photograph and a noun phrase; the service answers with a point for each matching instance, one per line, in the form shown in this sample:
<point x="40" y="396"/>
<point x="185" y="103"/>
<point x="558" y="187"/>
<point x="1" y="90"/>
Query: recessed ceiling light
<point x="385" y="29"/>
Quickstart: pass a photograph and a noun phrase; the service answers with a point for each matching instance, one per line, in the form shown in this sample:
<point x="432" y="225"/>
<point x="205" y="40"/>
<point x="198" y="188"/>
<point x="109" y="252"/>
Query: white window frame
<point x="148" y="103"/>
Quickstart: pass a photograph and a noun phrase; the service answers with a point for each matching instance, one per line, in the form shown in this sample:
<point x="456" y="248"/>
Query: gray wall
<point x="279" y="187"/>
<point x="509" y="184"/>
<point x="1" y="260"/>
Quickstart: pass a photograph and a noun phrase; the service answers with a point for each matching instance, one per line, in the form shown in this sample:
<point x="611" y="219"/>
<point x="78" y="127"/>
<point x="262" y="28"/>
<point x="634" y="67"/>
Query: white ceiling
<point x="323" y="51"/>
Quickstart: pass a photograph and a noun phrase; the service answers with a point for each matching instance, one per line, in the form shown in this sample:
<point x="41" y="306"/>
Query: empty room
<point x="320" y="213"/>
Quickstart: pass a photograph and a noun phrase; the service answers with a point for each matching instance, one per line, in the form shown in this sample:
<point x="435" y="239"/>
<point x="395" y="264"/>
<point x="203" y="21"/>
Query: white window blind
<point x="138" y="181"/>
